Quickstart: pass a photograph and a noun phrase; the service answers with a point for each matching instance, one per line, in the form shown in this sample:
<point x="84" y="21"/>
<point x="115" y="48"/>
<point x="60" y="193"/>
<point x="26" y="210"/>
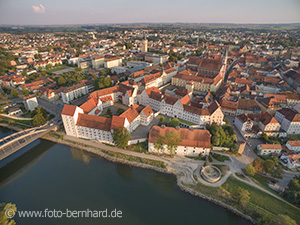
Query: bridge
<point x="14" y="142"/>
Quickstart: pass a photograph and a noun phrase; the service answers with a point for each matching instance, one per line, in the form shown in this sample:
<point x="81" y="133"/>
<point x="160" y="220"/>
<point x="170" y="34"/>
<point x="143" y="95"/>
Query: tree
<point x="40" y="68"/>
<point x="107" y="82"/>
<point x="128" y="45"/>
<point x="7" y="210"/>
<point x="25" y="91"/>
<point x="250" y="171"/>
<point x="61" y="81"/>
<point x="278" y="172"/>
<point x="120" y="111"/>
<point x="159" y="142"/>
<point x="265" y="137"/>
<point x="242" y="196"/>
<point x="48" y="66"/>
<point x="14" y="92"/>
<point x="173" y="122"/>
<point x="162" y="120"/>
<point x="215" y="141"/>
<point x="38" y="119"/>
<point x="121" y="137"/>
<point x="172" y="141"/>
<point x="258" y="164"/>
<point x="87" y="42"/>
<point x="269" y="165"/>
<point x="108" y="111"/>
<point x="284" y="220"/>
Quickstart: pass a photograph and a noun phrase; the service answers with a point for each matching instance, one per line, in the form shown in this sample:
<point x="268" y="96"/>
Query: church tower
<point x="145" y="45"/>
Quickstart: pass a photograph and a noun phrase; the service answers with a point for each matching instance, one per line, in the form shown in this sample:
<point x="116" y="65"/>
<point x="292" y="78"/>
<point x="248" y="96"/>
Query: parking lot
<point x="142" y="131"/>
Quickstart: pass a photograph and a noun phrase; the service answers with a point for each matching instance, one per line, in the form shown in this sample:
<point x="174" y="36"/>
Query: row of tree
<point x="270" y="166"/>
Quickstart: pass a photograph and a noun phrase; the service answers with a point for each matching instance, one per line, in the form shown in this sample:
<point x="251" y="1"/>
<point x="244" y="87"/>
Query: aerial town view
<point x="150" y="112"/>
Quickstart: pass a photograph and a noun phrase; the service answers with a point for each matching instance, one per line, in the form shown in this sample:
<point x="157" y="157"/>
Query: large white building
<point x="183" y="108"/>
<point x="193" y="142"/>
<point x="76" y="91"/>
<point x="90" y="125"/>
<point x="289" y="120"/>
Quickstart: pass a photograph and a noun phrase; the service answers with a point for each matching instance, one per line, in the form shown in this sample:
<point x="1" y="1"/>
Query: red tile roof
<point x="192" y="138"/>
<point x="147" y="110"/>
<point x="68" y="110"/>
<point x="96" y="122"/>
<point x="117" y="121"/>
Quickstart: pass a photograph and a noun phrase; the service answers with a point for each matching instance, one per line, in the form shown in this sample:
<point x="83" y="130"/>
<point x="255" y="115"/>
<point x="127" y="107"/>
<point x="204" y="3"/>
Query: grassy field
<point x="260" y="202"/>
<point x="220" y="158"/>
<point x="136" y="159"/>
<point x="186" y="122"/>
<point x="140" y="147"/>
<point x="263" y="200"/>
<point x="263" y="181"/>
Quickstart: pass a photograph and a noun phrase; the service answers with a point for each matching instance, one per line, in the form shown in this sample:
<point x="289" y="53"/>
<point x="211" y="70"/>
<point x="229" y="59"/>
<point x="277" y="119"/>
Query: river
<point x="53" y="176"/>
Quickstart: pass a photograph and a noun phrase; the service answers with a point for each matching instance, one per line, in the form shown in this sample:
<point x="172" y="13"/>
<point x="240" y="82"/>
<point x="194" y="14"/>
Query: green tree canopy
<point x="61" y="81"/>
<point x="162" y="120"/>
<point x="173" y="122"/>
<point x="242" y="196"/>
<point x="159" y="142"/>
<point x="121" y="137"/>
<point x="25" y="91"/>
<point x="250" y="171"/>
<point x="107" y="82"/>
<point x="284" y="220"/>
<point x="14" y="92"/>
<point x="38" y="119"/>
<point x="258" y="164"/>
<point x="269" y="165"/>
<point x="172" y="141"/>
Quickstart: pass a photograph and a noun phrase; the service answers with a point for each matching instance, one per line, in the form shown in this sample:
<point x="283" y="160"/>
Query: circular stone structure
<point x="210" y="173"/>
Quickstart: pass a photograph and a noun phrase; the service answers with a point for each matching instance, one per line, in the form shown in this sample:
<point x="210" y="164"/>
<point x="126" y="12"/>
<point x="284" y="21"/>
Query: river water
<point x="53" y="176"/>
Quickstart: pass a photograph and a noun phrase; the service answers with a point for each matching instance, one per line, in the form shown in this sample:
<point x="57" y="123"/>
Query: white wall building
<point x="30" y="103"/>
<point x="268" y="149"/>
<point x="194" y="142"/>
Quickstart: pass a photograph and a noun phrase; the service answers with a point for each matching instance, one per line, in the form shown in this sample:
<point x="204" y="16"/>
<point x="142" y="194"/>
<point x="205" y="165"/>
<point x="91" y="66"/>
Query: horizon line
<point x="131" y="23"/>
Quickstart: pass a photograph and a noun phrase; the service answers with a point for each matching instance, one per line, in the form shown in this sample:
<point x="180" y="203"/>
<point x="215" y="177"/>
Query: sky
<point x="53" y="12"/>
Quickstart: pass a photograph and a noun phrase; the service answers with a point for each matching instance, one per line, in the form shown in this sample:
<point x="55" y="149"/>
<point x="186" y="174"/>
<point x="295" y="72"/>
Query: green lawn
<point x="263" y="200"/>
<point x="260" y="201"/>
<point x="186" y="122"/>
<point x="220" y="158"/>
<point x="140" y="147"/>
<point x="136" y="159"/>
<point x="263" y="181"/>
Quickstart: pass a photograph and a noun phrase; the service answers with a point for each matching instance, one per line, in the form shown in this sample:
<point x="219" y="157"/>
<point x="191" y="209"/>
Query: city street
<point x="248" y="155"/>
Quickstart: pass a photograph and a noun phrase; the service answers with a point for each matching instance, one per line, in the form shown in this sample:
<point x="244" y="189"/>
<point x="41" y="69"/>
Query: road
<point x="51" y="107"/>
<point x="229" y="70"/>
<point x="248" y="155"/>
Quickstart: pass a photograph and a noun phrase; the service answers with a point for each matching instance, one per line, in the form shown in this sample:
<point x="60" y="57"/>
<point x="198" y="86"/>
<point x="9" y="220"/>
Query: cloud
<point x="39" y="9"/>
